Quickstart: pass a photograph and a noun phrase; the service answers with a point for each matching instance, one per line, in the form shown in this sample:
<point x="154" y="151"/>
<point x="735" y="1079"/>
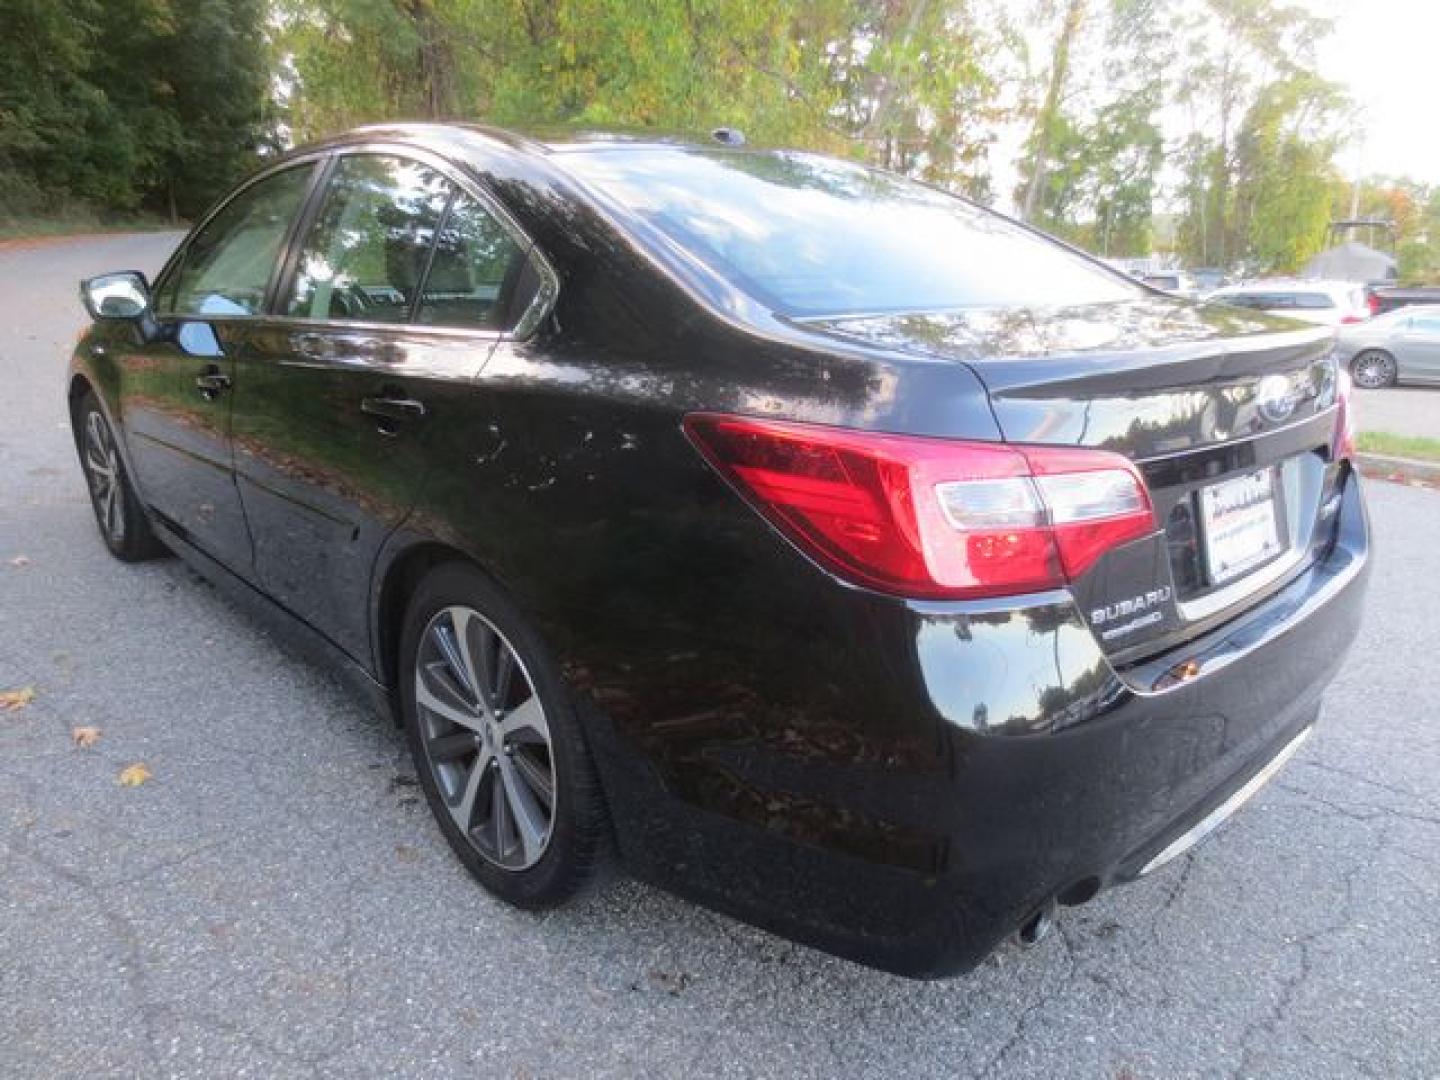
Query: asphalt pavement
<point x="274" y="900"/>
<point x="1400" y="410"/>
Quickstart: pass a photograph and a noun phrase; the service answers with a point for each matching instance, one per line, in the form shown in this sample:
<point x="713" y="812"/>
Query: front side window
<point x="365" y="255"/>
<point x="473" y="272"/>
<point x="228" y="263"/>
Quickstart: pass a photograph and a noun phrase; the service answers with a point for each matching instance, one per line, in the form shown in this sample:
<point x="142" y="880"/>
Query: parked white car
<point x="1325" y="303"/>
<point x="1399" y="346"/>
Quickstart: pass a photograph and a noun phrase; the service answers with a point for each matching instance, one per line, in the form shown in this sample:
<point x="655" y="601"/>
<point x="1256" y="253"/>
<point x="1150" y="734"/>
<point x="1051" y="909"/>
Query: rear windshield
<point x="810" y="236"/>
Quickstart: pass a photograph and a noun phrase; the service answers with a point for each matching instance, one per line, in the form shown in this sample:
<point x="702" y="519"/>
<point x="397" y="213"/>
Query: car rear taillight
<point x="927" y="517"/>
<point x="1351" y="320"/>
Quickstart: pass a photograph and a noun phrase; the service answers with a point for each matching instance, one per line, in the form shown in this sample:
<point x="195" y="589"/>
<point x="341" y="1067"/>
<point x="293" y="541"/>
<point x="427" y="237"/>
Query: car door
<point x="1418" y="348"/>
<point x="177" y="389"/>
<point x="374" y="339"/>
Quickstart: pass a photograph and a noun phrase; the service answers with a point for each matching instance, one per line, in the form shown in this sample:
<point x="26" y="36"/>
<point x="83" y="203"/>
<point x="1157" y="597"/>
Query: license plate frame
<point x="1242" y="525"/>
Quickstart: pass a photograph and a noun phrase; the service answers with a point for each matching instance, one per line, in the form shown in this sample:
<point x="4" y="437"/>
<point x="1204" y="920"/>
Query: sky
<point x="1385" y="51"/>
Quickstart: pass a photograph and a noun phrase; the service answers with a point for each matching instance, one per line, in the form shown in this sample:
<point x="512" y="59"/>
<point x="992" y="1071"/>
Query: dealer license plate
<point x="1242" y="528"/>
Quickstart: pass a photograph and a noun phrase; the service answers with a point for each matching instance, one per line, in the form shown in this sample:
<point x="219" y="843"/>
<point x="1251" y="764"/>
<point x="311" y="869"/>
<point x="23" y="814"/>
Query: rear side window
<point x="808" y="235"/>
<point x="1313" y="301"/>
<point x="364" y="256"/>
<point x="228" y="263"/>
<point x="473" y="272"/>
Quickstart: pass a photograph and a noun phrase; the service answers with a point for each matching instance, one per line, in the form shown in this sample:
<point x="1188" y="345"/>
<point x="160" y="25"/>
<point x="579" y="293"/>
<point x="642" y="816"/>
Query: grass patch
<point x="1409" y="446"/>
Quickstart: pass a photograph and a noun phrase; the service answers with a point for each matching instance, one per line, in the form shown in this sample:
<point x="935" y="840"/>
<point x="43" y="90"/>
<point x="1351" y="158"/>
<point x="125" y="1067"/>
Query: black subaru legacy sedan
<point x="819" y="545"/>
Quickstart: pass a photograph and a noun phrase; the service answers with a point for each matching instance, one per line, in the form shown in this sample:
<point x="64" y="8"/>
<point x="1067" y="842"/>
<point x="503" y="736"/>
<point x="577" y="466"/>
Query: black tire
<point x="578" y="826"/>
<point x="1373" y="369"/>
<point x="124" y="526"/>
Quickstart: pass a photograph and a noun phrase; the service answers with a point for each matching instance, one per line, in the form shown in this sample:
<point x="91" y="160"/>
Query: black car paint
<point x="901" y="783"/>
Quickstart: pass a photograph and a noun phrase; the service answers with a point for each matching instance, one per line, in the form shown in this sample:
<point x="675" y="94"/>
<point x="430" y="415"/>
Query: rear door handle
<point x="212" y="383"/>
<point x="392" y="410"/>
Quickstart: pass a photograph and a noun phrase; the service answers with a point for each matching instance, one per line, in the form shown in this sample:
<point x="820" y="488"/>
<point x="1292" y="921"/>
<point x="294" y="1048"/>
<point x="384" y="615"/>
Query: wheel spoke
<point x="500" y="825"/>
<point x="112" y="510"/>
<point x="526" y="722"/>
<point x="528" y="815"/>
<point x="454" y="745"/>
<point x="94" y="426"/>
<point x="504" y="675"/>
<point x="99" y="463"/>
<point x="455" y="648"/>
<point x="464" y="811"/>
<point x="428" y="699"/>
<point x="487" y="644"/>
<point x="536" y="775"/>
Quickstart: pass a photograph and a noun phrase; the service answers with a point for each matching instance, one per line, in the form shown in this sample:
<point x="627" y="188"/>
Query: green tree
<point x="1284" y="179"/>
<point x="1234" y="50"/>
<point x="129" y="103"/>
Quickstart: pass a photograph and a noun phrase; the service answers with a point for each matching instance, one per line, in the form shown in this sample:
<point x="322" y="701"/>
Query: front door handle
<point x="212" y="383"/>
<point x="392" y="410"/>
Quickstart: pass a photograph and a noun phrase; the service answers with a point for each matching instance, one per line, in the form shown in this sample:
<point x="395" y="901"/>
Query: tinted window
<point x="227" y="264"/>
<point x="473" y="271"/>
<point x="1313" y="300"/>
<point x="365" y="253"/>
<point x="812" y="236"/>
<point x="1255" y="301"/>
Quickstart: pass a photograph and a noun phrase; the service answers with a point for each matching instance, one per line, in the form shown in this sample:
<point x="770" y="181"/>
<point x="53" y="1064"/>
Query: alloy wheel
<point x="1373" y="369"/>
<point x="102" y="467"/>
<point x="486" y="738"/>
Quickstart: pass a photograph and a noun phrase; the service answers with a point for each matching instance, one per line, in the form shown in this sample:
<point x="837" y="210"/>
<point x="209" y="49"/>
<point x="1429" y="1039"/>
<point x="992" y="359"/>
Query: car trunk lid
<point x="1228" y="413"/>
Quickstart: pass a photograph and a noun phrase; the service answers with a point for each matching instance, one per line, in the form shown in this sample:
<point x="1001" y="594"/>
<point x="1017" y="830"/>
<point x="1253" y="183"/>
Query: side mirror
<point x="122" y="297"/>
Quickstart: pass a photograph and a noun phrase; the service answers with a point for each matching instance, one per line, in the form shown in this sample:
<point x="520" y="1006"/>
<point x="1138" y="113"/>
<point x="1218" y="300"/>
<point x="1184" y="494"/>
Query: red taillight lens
<point x="1351" y="320"/>
<point x="927" y="517"/>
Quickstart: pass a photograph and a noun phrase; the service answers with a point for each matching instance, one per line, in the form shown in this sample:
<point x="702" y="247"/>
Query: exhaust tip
<point x="1038" y="926"/>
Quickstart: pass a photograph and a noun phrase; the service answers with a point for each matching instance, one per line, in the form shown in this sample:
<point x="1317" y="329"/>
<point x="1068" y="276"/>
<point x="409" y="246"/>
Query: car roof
<point x="555" y="139"/>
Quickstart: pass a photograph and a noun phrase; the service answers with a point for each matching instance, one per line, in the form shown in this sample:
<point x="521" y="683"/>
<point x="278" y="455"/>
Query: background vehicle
<point x="1402" y="345"/>
<point x="1325" y="303"/>
<point x="1178" y="283"/>
<point x="1392" y="297"/>
<point x="752" y="509"/>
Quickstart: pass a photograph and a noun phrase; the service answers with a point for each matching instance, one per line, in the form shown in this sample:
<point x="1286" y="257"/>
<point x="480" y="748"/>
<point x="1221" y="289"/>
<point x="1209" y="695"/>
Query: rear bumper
<point x="1035" y="769"/>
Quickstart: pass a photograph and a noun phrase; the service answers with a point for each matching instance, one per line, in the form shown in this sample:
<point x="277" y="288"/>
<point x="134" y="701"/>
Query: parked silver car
<point x="1399" y="346"/>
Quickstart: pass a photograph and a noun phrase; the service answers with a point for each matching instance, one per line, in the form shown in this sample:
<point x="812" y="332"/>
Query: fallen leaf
<point x="84" y="737"/>
<point x="15" y="700"/>
<point x="20" y="560"/>
<point x="134" y="775"/>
